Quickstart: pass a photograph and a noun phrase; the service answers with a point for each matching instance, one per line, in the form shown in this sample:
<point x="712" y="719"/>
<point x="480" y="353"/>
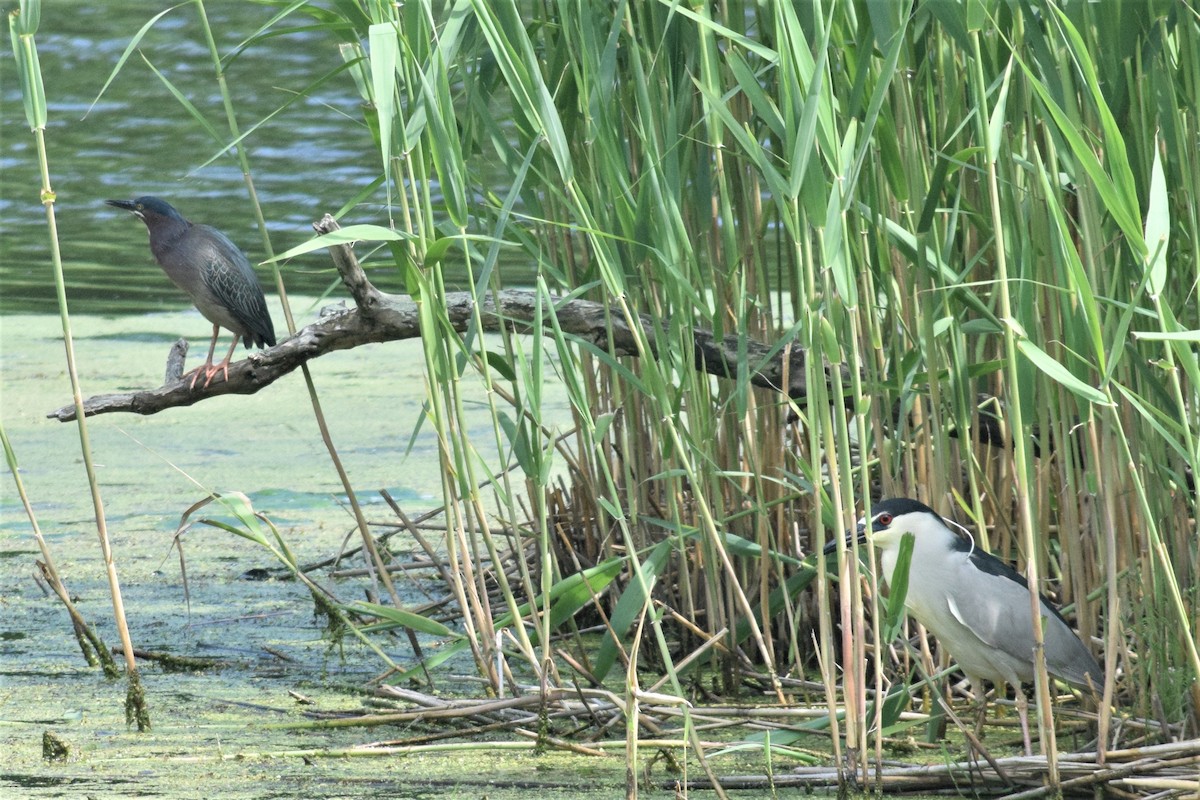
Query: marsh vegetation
<point x="961" y="238"/>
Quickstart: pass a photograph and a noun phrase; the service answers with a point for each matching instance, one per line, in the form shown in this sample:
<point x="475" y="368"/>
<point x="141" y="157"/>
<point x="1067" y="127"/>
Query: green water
<point x="125" y="315"/>
<point x="137" y="139"/>
<point x="264" y="633"/>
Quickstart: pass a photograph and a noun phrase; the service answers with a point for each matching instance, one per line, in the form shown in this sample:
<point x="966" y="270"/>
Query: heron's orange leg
<point x="207" y="366"/>
<point x="224" y="365"/>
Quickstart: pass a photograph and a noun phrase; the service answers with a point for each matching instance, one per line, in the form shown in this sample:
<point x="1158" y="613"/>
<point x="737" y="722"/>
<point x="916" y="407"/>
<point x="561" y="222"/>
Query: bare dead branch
<point x="380" y="317"/>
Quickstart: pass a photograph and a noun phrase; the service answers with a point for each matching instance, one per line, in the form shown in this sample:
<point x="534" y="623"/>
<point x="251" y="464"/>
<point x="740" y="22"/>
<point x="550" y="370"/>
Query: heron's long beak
<point x="126" y="205"/>
<point x="850" y="536"/>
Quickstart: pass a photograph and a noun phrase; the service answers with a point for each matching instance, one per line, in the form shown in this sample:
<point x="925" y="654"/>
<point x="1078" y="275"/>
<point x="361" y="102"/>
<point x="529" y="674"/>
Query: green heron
<point x="975" y="604"/>
<point x="203" y="262"/>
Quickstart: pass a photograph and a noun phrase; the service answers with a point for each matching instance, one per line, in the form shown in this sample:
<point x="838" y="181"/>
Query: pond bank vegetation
<point x="961" y="241"/>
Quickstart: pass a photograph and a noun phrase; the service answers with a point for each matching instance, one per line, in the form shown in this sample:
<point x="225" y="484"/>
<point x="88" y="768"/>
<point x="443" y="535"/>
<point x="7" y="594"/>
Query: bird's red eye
<point x="884" y="519"/>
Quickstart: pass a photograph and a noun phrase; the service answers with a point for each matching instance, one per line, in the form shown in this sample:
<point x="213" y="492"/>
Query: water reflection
<point x="139" y="140"/>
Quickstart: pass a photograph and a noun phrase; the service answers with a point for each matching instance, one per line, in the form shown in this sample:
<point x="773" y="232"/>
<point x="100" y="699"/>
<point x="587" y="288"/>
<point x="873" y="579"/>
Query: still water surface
<point x="137" y="139"/>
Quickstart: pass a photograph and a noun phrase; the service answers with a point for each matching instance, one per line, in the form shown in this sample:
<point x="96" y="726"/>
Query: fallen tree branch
<point x="380" y="317"/>
<point x="1141" y="772"/>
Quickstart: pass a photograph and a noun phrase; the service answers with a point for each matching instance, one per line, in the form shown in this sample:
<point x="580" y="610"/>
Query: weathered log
<point x="381" y="317"/>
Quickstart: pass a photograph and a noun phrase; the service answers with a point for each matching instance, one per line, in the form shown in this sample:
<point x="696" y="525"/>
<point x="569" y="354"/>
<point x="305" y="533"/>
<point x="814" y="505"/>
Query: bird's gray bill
<point x="849" y="536"/>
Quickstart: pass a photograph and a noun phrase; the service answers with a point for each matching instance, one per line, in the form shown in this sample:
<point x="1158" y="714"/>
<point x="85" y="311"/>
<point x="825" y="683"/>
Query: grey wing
<point x="998" y="613"/>
<point x="234" y="284"/>
<point x="1066" y="655"/>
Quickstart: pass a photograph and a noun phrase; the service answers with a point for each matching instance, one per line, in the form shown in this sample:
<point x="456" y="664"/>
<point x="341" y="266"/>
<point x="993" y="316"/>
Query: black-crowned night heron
<point x="203" y="262"/>
<point x="977" y="606"/>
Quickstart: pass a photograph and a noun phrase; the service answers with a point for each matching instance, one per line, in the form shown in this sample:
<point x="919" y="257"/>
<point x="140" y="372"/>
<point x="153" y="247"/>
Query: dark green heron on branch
<point x="217" y="276"/>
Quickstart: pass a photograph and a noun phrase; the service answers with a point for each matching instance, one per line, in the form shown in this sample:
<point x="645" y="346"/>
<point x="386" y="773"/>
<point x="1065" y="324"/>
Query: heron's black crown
<point x="898" y="506"/>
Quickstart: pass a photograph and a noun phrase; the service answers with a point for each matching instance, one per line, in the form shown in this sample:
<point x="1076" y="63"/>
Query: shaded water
<point x="139" y="140"/>
<point x="264" y="633"/>
<point x="125" y="314"/>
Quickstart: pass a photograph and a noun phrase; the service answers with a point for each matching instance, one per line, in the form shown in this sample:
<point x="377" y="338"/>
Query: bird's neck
<point x="929" y="544"/>
<point x="887" y="561"/>
<point x="165" y="235"/>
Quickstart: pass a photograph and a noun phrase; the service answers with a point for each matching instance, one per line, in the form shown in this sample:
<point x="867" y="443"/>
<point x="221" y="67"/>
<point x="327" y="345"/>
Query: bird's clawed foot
<point x="209" y="371"/>
<point x="222" y="368"/>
